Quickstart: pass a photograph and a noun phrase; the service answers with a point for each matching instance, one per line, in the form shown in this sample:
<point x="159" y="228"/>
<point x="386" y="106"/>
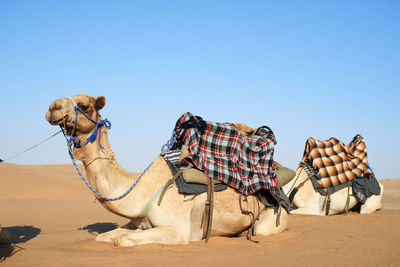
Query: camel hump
<point x="244" y="129"/>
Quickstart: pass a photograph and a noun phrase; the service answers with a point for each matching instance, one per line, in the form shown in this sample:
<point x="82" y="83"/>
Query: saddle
<point x="192" y="175"/>
<point x="196" y="177"/>
<point x="332" y="166"/>
<point x="222" y="152"/>
<point x="229" y="154"/>
<point x="334" y="162"/>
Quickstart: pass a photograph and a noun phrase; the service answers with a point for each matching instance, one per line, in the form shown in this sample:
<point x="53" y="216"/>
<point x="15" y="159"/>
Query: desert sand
<point x="44" y="208"/>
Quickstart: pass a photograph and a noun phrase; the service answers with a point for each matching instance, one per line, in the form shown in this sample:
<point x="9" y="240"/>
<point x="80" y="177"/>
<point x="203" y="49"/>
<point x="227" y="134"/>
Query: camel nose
<point x="56" y="112"/>
<point x="48" y="116"/>
<point x="56" y="105"/>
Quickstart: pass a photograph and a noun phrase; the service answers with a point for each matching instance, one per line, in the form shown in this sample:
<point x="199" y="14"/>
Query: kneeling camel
<point x="178" y="220"/>
<point x="308" y="201"/>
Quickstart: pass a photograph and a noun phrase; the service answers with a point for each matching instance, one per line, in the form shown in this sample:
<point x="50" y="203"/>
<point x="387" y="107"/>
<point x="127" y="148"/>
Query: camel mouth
<point x="59" y="121"/>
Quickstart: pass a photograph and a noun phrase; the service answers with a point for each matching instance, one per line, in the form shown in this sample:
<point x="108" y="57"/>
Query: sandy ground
<point x="44" y="208"/>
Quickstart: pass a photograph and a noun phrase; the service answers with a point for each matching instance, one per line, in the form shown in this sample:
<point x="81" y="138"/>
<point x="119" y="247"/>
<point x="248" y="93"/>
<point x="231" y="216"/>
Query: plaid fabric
<point x="222" y="153"/>
<point x="336" y="163"/>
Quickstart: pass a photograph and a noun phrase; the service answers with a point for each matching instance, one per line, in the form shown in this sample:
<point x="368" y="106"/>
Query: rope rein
<point x="293" y="185"/>
<point x="30" y="148"/>
<point x="76" y="142"/>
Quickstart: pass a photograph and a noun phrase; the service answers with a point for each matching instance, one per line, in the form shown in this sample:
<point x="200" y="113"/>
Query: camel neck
<point x="107" y="177"/>
<point x="102" y="170"/>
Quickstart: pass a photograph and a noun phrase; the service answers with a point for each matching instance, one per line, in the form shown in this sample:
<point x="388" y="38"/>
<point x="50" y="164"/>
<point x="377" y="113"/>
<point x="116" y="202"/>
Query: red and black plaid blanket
<point x="222" y="153"/>
<point x="336" y="163"/>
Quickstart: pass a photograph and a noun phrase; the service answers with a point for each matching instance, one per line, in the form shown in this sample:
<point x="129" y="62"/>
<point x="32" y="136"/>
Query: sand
<point x="44" y="208"/>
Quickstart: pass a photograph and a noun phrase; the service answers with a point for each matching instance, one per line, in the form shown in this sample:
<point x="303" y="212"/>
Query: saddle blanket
<point x="335" y="163"/>
<point x="222" y="153"/>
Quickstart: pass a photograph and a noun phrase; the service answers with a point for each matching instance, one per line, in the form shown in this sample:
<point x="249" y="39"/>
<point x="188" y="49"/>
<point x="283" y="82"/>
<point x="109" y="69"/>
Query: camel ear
<point x="100" y="102"/>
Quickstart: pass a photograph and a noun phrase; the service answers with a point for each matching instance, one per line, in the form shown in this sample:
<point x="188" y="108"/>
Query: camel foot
<point x="112" y="235"/>
<point x="167" y="235"/>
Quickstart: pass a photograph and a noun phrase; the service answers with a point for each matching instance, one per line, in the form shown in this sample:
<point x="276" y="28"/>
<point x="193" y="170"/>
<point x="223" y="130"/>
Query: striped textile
<point x="222" y="153"/>
<point x="172" y="155"/>
<point x="334" y="162"/>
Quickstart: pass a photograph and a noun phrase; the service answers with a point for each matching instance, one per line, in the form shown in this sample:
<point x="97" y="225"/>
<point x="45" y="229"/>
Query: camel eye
<point x="84" y="107"/>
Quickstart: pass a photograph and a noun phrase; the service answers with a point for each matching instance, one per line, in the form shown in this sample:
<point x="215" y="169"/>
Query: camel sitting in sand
<point x="178" y="219"/>
<point x="308" y="201"/>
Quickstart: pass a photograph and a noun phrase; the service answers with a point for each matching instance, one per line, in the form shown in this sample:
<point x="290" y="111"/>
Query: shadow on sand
<point x="19" y="234"/>
<point x="98" y="228"/>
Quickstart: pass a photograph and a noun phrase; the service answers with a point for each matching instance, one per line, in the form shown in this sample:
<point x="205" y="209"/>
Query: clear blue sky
<point x="304" y="68"/>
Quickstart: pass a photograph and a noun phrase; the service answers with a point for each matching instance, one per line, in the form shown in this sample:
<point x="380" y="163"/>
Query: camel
<point x="178" y="220"/>
<point x="308" y="201"/>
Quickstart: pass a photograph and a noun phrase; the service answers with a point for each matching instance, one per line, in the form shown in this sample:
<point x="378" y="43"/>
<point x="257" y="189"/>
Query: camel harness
<point x="76" y="142"/>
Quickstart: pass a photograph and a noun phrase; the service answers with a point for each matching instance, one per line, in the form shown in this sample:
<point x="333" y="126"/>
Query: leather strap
<point x="209" y="204"/>
<point x="296" y="189"/>
<point x="348" y="196"/>
<point x="328" y="202"/>
<point x="250" y="231"/>
<point x="170" y="181"/>
<point x="208" y="211"/>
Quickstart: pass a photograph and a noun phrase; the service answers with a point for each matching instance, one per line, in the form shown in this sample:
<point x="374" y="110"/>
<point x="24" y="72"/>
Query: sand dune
<point x="44" y="208"/>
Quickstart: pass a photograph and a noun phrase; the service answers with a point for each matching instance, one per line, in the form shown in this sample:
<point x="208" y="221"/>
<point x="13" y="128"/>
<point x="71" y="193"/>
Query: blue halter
<point x="92" y="138"/>
<point x="96" y="131"/>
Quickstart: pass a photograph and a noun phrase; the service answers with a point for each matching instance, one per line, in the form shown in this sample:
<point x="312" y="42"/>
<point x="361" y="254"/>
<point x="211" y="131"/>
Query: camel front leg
<point x="266" y="225"/>
<point x="168" y="235"/>
<point x="111" y="235"/>
<point x="312" y="206"/>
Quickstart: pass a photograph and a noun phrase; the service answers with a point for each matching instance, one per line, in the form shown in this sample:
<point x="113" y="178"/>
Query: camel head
<point x="62" y="112"/>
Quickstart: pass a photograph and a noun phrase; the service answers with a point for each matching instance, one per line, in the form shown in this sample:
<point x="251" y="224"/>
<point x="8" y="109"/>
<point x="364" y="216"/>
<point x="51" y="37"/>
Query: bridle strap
<point x="107" y="124"/>
<point x="96" y="131"/>
<point x="73" y="103"/>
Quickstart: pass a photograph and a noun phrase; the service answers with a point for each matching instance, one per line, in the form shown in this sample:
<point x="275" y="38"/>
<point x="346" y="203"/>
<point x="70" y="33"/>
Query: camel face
<point x="62" y="112"/>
